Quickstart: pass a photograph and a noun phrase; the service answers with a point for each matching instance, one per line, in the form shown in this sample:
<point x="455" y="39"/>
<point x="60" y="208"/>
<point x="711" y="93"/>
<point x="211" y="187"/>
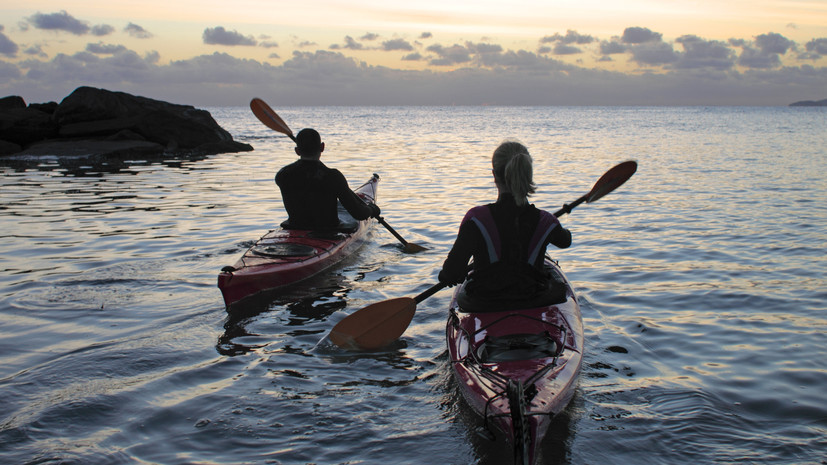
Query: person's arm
<point x="352" y="202"/>
<point x="455" y="267"/>
<point x="560" y="237"/>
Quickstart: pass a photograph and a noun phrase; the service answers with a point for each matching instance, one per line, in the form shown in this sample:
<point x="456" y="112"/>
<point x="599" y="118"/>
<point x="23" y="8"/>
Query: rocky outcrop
<point x="103" y="123"/>
<point x="810" y="103"/>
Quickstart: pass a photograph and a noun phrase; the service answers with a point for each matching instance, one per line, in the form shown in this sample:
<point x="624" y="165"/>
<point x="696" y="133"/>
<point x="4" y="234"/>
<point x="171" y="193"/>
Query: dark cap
<point x="308" y="141"/>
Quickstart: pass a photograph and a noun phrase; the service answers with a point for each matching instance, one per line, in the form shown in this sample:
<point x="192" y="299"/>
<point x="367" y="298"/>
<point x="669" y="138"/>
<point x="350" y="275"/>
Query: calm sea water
<point x="702" y="285"/>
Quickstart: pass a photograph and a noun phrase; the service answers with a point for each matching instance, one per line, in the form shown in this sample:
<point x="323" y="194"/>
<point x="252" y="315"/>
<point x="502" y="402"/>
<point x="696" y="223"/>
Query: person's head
<point x="513" y="172"/>
<point x="309" y="143"/>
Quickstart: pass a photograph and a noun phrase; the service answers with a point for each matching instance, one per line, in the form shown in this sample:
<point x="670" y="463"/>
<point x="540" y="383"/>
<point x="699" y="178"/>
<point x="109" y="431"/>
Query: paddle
<point x="409" y="248"/>
<point x="272" y="120"/>
<point x="379" y="324"/>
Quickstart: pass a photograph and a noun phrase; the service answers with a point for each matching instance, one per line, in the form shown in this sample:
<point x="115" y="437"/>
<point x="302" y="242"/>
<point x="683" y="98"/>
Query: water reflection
<point x="94" y="166"/>
<point x="297" y="306"/>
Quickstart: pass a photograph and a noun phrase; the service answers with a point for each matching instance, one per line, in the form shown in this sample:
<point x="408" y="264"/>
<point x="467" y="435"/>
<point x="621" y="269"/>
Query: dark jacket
<point x="515" y="229"/>
<point x="310" y="191"/>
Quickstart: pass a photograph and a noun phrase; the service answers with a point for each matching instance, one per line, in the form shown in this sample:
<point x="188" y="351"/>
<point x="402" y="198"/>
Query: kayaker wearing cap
<point x="507" y="239"/>
<point x="310" y="190"/>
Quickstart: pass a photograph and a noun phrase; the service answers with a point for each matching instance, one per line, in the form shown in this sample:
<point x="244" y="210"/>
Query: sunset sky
<point x="372" y="52"/>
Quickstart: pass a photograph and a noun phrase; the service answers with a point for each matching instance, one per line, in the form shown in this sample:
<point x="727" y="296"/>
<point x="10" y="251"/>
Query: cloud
<point x="105" y="49"/>
<point x="565" y="49"/>
<point x="369" y="36"/>
<point x="137" y="31"/>
<point x="640" y="35"/>
<point x="612" y="47"/>
<point x="102" y="30"/>
<point x="449" y="56"/>
<point x="397" y="44"/>
<point x="571" y="37"/>
<point x="773" y="43"/>
<point x="765" y="52"/>
<point x="816" y="49"/>
<point x="61" y="21"/>
<point x="425" y="35"/>
<point x="689" y="71"/>
<point x="7" y="46"/>
<point x="220" y="36"/>
<point x="701" y="53"/>
<point x="35" y="50"/>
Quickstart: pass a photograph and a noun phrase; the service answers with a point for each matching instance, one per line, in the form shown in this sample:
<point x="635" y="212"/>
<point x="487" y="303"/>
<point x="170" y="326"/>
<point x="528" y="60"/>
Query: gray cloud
<point x="61" y="21"/>
<point x="773" y="43"/>
<point x="7" y="46"/>
<point x="571" y="37"/>
<point x="102" y="30"/>
<point x="448" y="56"/>
<point x="653" y="53"/>
<point x="397" y="44"/>
<point x="817" y="46"/>
<point x="612" y="47"/>
<point x="220" y="36"/>
<point x="640" y="35"/>
<point x="765" y="52"/>
<point x="105" y="49"/>
<point x="416" y="56"/>
<point x="425" y="35"/>
<point x="565" y="49"/>
<point x="369" y="36"/>
<point x="137" y="31"/>
<point x="695" y="72"/>
<point x="700" y="53"/>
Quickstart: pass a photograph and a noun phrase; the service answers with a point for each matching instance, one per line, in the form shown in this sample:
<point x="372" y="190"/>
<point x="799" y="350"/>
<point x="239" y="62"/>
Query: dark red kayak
<point x="517" y="361"/>
<point x="286" y="256"/>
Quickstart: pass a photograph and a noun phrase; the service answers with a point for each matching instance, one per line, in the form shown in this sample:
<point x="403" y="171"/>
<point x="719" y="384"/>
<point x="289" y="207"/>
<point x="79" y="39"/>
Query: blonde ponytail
<point x="513" y="169"/>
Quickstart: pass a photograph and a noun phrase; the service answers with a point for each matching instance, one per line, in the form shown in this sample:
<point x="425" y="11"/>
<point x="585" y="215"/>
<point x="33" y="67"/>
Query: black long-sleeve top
<point x="516" y="226"/>
<point x="310" y="191"/>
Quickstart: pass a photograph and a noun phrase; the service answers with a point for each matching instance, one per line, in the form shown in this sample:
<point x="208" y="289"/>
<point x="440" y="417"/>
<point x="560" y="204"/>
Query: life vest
<point x="482" y="217"/>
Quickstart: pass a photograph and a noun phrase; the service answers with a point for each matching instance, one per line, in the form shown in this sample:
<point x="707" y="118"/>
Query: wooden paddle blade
<point x="374" y="326"/>
<point x="270" y="118"/>
<point x="613" y="179"/>
<point x="414" y="248"/>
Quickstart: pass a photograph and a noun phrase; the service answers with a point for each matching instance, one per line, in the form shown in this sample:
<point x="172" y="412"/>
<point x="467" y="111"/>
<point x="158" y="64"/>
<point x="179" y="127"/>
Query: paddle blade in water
<point x="270" y="118"/>
<point x="374" y="326"/>
<point x="414" y="248"/>
<point x="613" y="179"/>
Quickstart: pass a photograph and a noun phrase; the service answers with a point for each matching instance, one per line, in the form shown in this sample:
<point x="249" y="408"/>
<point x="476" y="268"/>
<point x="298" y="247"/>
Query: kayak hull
<point x="538" y="349"/>
<point x="286" y="256"/>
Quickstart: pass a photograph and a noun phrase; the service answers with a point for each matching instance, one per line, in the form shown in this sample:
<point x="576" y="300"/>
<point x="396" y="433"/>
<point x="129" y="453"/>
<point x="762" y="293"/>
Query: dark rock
<point x="810" y="103"/>
<point x="48" y="107"/>
<point x="12" y="101"/>
<point x="105" y="123"/>
<point x="226" y="146"/>
<point x="8" y="148"/>
<point x="26" y="125"/>
<point x="103" y="112"/>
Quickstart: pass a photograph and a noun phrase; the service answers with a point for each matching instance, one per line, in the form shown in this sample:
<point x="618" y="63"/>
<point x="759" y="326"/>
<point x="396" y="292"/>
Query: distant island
<point x="810" y="103"/>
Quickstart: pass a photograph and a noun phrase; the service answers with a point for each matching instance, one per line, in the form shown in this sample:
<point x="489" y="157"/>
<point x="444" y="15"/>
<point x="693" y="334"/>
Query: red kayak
<point x="286" y="256"/>
<point x="516" y="362"/>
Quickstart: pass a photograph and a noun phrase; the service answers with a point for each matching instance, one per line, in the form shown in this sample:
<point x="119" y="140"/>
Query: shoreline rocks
<point x="100" y="123"/>
<point x="810" y="103"/>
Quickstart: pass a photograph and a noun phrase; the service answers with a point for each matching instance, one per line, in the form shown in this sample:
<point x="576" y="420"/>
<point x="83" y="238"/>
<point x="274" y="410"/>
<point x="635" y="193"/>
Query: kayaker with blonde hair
<point x="507" y="239"/>
<point x="311" y="191"/>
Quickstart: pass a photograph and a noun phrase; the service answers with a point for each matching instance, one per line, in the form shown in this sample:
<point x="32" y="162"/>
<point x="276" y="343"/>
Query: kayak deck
<point x="517" y="368"/>
<point x="286" y="256"/>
